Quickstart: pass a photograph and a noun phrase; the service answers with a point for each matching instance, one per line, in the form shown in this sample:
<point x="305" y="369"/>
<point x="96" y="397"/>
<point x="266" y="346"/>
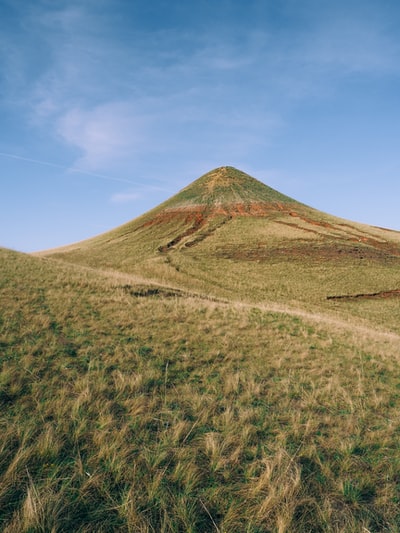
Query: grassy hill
<point x="206" y="387"/>
<point x="228" y="235"/>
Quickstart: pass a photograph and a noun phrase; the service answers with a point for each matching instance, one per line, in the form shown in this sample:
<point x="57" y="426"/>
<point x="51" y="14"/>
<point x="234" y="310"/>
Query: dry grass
<point x="296" y="258"/>
<point x="172" y="413"/>
<point x="206" y="386"/>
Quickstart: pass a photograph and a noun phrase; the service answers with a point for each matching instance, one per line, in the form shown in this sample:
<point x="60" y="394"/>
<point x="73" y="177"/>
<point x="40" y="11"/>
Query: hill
<point x="129" y="406"/>
<point x="150" y="383"/>
<point x="228" y="235"/>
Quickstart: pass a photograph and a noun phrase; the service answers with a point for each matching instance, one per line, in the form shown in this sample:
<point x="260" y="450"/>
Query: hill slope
<point x="187" y="373"/>
<point x="221" y="194"/>
<point x="136" y="407"/>
<point x="229" y="235"/>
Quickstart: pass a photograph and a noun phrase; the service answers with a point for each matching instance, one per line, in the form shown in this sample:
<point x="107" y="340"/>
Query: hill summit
<point x="224" y="186"/>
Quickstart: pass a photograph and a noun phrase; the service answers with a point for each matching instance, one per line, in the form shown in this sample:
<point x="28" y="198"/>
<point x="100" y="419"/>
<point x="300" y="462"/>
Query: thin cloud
<point x="124" y="198"/>
<point x="353" y="46"/>
<point x="30" y="160"/>
<point x="63" y="167"/>
<point x="103" y="134"/>
<point x="119" y="101"/>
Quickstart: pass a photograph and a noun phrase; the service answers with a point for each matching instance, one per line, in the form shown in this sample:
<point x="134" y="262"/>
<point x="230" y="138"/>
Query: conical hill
<point x="228" y="229"/>
<point x="217" y="196"/>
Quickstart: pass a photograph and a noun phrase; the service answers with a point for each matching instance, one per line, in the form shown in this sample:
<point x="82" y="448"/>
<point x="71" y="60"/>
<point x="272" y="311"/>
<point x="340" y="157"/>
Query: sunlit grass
<point x="173" y="413"/>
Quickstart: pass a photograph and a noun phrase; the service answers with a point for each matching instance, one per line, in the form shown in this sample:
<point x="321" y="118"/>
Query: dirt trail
<point x="199" y="222"/>
<point x="372" y="332"/>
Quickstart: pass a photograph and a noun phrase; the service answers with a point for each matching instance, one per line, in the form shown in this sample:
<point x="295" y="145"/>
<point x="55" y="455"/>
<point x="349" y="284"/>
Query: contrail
<point x="76" y="170"/>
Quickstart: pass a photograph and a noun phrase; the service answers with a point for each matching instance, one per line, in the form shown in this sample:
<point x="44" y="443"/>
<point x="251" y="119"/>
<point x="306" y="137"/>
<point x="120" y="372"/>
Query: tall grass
<point x="172" y="413"/>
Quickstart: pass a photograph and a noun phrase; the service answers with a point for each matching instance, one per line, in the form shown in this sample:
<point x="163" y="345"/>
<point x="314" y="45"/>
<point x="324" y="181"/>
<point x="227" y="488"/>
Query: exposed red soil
<point x="361" y="296"/>
<point x="199" y="215"/>
<point x="199" y="221"/>
<point x="340" y="239"/>
<point x="194" y="213"/>
<point x="167" y="216"/>
<point x="320" y="223"/>
<point x="301" y="250"/>
<point x="351" y="234"/>
<point x="207" y="233"/>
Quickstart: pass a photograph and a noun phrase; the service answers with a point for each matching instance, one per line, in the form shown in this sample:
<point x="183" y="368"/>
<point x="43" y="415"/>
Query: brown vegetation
<point x="187" y="373"/>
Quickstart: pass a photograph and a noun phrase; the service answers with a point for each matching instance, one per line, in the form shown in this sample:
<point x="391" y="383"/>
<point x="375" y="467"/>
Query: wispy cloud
<point x="123" y="198"/>
<point x="103" y="134"/>
<point x="350" y="45"/>
<point x="118" y="101"/>
<point x="65" y="168"/>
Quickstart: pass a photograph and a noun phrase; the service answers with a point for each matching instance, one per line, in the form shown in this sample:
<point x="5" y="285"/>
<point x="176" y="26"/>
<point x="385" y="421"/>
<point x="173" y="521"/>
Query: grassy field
<point x="209" y="387"/>
<point x="135" y="407"/>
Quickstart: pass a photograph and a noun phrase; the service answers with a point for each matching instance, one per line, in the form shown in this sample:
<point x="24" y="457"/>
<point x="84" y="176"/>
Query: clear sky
<point x="108" y="107"/>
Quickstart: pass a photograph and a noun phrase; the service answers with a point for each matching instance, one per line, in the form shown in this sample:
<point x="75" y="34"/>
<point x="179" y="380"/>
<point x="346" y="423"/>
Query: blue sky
<point x="108" y="107"/>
